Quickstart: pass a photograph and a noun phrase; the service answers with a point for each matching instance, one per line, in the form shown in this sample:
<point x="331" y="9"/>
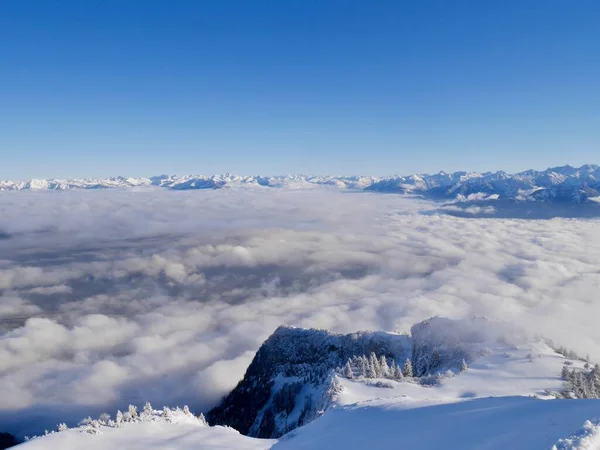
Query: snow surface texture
<point x="566" y="184"/>
<point x="515" y="423"/>
<point x="588" y="438"/>
<point x="489" y="405"/>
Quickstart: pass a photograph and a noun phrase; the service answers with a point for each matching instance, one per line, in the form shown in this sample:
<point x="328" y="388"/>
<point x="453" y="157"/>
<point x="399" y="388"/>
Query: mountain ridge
<point x="556" y="184"/>
<point x="295" y="375"/>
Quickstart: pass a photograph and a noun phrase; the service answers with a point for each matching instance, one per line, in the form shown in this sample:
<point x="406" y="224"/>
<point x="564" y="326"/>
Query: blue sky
<point x="142" y="87"/>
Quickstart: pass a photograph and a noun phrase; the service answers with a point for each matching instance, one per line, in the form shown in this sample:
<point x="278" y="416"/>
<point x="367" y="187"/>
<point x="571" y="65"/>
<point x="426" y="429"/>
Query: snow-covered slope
<point x="475" y="384"/>
<point x="165" y="430"/>
<point x="558" y="184"/>
<point x="501" y="423"/>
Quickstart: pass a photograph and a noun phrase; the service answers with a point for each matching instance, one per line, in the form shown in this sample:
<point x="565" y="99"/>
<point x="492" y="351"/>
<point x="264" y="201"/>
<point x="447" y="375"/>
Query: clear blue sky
<point x="142" y="87"/>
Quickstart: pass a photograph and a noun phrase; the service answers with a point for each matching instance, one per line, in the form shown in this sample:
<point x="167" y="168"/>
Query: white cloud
<point x="165" y="296"/>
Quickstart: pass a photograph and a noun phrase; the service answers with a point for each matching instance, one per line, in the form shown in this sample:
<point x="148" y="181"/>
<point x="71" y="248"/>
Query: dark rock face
<point x="291" y="378"/>
<point x="7" y="440"/>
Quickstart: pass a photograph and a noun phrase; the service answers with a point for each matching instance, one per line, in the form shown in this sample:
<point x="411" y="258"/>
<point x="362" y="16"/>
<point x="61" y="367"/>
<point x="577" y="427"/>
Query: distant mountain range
<point x="557" y="184"/>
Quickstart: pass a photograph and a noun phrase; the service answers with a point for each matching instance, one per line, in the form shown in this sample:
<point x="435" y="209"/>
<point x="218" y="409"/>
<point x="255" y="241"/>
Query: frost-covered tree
<point x="83" y="422"/>
<point x="564" y="374"/>
<point x="375" y="370"/>
<point x="147" y="412"/>
<point x="62" y="427"/>
<point x="595" y="379"/>
<point x="202" y="419"/>
<point x="407" y="371"/>
<point x="119" y="418"/>
<point x="383" y="367"/>
<point x="371" y="369"/>
<point x="348" y="373"/>
<point x="363" y="365"/>
<point x="398" y="375"/>
<point x="104" y="418"/>
<point x="133" y="412"/>
<point x="393" y="370"/>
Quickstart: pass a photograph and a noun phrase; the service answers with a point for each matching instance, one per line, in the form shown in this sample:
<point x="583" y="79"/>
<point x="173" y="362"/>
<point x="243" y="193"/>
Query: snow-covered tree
<point x="398" y="375"/>
<point x="133" y="412"/>
<point x="348" y="373"/>
<point x="375" y="370"/>
<point x="371" y="370"/>
<point x="407" y="371"/>
<point x="83" y="422"/>
<point x="564" y="374"/>
<point x="363" y="365"/>
<point x="147" y="412"/>
<point x="383" y="367"/>
<point x="202" y="419"/>
<point x="62" y="427"/>
<point x="104" y="418"/>
<point x="596" y="371"/>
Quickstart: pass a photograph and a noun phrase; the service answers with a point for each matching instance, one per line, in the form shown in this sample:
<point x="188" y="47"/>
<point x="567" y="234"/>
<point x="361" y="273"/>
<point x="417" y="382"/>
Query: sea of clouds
<point x="112" y="297"/>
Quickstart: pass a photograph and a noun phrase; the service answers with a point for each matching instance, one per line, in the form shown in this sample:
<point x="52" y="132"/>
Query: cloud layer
<point x="164" y="296"/>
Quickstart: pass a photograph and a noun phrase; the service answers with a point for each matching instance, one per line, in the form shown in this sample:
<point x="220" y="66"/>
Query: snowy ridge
<point x="503" y="394"/>
<point x="291" y="379"/>
<point x="557" y="184"/>
<point x="298" y="373"/>
<point x="165" y="429"/>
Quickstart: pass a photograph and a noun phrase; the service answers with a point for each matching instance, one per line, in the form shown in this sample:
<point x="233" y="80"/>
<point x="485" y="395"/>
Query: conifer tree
<point x="371" y="369"/>
<point x="202" y="419"/>
<point x="398" y="375"/>
<point x="407" y="371"/>
<point x="148" y="408"/>
<point x="348" y="370"/>
<point x="362" y="365"/>
<point x="383" y="367"/>
<point x="133" y="412"/>
<point x="435" y="358"/>
<point x="374" y="363"/>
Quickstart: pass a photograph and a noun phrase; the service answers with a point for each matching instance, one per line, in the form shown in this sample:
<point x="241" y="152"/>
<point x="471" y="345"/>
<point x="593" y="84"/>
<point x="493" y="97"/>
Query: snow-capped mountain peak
<point x="565" y="183"/>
